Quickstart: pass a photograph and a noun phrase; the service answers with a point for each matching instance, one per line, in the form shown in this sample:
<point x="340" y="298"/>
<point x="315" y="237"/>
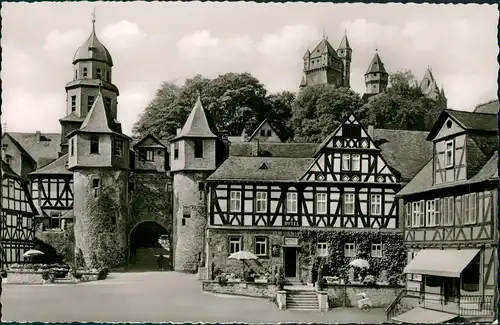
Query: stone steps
<point x="302" y="300"/>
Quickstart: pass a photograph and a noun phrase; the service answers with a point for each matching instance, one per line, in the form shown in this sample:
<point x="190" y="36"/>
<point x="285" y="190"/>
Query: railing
<point x="392" y="310"/>
<point x="464" y="305"/>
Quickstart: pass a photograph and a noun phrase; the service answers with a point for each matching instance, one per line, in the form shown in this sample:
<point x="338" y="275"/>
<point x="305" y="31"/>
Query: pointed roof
<point x="323" y="47"/>
<point x="93" y="49"/>
<point x="344" y="44"/>
<point x="197" y="124"/>
<point x="376" y="65"/>
<point x="155" y="142"/>
<point x="99" y="120"/>
<point x="306" y="55"/>
<point x="260" y="126"/>
<point x="470" y="121"/>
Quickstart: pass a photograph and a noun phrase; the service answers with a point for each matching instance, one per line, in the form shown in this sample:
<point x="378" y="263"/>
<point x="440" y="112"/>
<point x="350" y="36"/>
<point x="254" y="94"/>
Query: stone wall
<point x="24" y="277"/>
<point x="381" y="295"/>
<point x="259" y="290"/>
<point x="57" y="245"/>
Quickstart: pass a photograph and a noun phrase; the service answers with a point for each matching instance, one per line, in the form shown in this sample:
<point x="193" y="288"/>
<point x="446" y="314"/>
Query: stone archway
<point x="144" y="247"/>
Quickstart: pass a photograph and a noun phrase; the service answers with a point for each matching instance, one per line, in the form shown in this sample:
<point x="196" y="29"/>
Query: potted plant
<point x="281" y="278"/>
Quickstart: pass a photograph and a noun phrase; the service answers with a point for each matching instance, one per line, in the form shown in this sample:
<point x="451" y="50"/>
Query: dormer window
<point x="118" y="147"/>
<point x="98" y="73"/>
<point x="85" y="71"/>
<point x="94" y="144"/>
<point x="198" y="148"/>
<point x="449" y="154"/>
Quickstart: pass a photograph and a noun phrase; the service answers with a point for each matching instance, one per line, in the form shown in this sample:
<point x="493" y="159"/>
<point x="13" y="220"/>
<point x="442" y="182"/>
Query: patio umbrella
<point x="242" y="256"/>
<point x="361" y="263"/>
<point x="32" y="252"/>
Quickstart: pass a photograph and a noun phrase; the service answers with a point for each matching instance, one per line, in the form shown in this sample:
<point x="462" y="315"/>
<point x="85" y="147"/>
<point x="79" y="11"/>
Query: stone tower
<point x="345" y="54"/>
<point x="324" y="66"/>
<point x="376" y="78"/>
<point x="430" y="89"/>
<point x="92" y="65"/>
<point x="193" y="159"/>
<point x="98" y="156"/>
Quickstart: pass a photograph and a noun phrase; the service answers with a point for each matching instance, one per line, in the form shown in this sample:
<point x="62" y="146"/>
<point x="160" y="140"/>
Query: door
<point x="290" y="256"/>
<point x="450" y="289"/>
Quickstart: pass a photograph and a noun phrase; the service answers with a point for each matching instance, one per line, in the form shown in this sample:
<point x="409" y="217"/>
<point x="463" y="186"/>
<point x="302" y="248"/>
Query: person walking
<point x="160" y="262"/>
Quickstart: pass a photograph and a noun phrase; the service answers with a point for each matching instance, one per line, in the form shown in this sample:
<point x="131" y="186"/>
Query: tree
<point x="402" y="106"/>
<point x="280" y="112"/>
<point x="319" y="109"/>
<point x="235" y="102"/>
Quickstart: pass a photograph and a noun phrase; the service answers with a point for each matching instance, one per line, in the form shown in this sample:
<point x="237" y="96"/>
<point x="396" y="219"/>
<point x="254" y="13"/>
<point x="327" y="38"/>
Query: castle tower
<point x="376" y="78"/>
<point x="323" y="66"/>
<point x="345" y="54"/>
<point x="92" y="67"/>
<point x="98" y="157"/>
<point x="193" y="159"/>
<point x="430" y="88"/>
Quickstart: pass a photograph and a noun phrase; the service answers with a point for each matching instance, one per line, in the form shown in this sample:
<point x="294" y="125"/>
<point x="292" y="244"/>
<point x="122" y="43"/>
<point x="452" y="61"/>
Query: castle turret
<point x="376" y="78"/>
<point x="323" y="66"/>
<point x="92" y="67"/>
<point x="193" y="159"/>
<point x="345" y="54"/>
<point x="98" y="158"/>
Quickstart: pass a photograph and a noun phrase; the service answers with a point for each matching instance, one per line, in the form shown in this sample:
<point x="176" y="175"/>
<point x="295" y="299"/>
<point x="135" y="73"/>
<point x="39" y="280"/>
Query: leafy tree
<point x="402" y="106"/>
<point x="236" y="102"/>
<point x="319" y="109"/>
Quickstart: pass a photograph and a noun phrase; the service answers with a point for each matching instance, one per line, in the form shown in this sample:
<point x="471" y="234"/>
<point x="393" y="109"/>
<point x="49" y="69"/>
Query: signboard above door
<point x="291" y="241"/>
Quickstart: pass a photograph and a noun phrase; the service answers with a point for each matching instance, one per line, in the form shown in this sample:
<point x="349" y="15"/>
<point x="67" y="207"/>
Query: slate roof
<point x="57" y="167"/>
<point x="48" y="147"/>
<point x="323" y="46"/>
<point x="197" y="124"/>
<point x="72" y="118"/>
<point x="284" y="150"/>
<point x="249" y="169"/>
<point x="158" y="143"/>
<point x="491" y="107"/>
<point x="467" y="120"/>
<point x="422" y="182"/>
<point x="344" y="44"/>
<point x="93" y="49"/>
<point x="376" y="65"/>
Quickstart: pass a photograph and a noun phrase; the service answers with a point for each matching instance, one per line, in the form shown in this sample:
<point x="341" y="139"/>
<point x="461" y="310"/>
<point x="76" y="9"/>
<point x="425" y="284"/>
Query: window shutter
<point x="437" y="211"/>
<point x="458" y="210"/>
<point x="408" y="215"/>
<point x="422" y="212"/>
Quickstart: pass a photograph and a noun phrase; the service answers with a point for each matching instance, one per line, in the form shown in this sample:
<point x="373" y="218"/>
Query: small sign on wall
<point x="290" y="241"/>
<point x="275" y="251"/>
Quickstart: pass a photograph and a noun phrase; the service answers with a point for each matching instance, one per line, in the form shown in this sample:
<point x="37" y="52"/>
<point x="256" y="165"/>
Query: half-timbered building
<point x="450" y="219"/>
<point x="17" y="225"/>
<point x="263" y="195"/>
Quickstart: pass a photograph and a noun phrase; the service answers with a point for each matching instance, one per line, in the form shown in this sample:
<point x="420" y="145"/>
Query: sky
<point x="151" y="42"/>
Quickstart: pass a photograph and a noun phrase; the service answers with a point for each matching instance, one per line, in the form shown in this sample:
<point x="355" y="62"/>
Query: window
<point x="90" y="103"/>
<point x="76" y="74"/>
<point x="321" y="203"/>
<point x="269" y="133"/>
<point x="262" y="133"/>
<point x="349" y="203"/>
<point x="449" y="154"/>
<point x="430" y="213"/>
<point x="54" y="222"/>
<point x="107" y="75"/>
<point x="95" y="186"/>
<point x="351" y="131"/>
<point x="470" y="215"/>
<point x="235" y="201"/>
<point x="108" y="102"/>
<point x="448" y="219"/>
<point x="198" y="148"/>
<point x="470" y="275"/>
<point x="261" y="198"/>
<point x="376" y="204"/>
<point x="235" y="244"/>
<point x="98" y="73"/>
<point x="346" y="162"/>
<point x="186" y="214"/>
<point x="94" y="144"/>
<point x="73" y="103"/>
<point x="350" y="250"/>
<point x="261" y="246"/>
<point x="72" y="146"/>
<point x="149" y="155"/>
<point x="355" y="163"/>
<point x="291" y="202"/>
<point x="437" y="212"/>
<point x="176" y="150"/>
<point x="415" y="215"/>
<point x="322" y="249"/>
<point x="377" y="250"/>
<point x="408" y="215"/>
<point x="118" y="147"/>
<point x="85" y="72"/>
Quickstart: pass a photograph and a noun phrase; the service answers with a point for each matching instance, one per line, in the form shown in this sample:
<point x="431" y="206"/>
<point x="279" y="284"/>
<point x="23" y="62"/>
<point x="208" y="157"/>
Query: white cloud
<point x="60" y="45"/>
<point x="20" y="67"/>
<point x="123" y="33"/>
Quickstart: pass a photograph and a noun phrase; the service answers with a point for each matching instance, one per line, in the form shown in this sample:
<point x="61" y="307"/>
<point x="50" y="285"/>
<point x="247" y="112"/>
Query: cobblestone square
<point x="153" y="297"/>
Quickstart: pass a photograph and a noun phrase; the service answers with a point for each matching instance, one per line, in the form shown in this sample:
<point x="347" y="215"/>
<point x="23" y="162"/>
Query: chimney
<point x="179" y="131"/>
<point x="38" y="136"/>
<point x="255" y="148"/>
<point x="371" y="130"/>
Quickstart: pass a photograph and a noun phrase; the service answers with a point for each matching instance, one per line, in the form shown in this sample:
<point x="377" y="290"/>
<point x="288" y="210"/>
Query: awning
<point x="420" y="315"/>
<point x="441" y="262"/>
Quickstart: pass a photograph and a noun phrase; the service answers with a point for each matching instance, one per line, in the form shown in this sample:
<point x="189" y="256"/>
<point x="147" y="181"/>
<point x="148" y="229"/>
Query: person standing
<point x="160" y="262"/>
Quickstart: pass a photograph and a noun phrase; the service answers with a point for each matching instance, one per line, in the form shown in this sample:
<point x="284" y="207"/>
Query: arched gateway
<point x="146" y="242"/>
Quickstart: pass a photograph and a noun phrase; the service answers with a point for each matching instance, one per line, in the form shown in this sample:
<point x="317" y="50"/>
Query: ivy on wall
<point x="393" y="260"/>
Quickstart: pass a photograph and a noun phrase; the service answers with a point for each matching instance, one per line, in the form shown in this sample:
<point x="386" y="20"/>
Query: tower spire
<point x="93" y="19"/>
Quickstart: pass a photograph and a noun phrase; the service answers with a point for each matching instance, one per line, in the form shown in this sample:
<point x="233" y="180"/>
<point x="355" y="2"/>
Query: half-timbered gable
<point x="18" y="218"/>
<point x="451" y="205"/>
<point x="52" y="192"/>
